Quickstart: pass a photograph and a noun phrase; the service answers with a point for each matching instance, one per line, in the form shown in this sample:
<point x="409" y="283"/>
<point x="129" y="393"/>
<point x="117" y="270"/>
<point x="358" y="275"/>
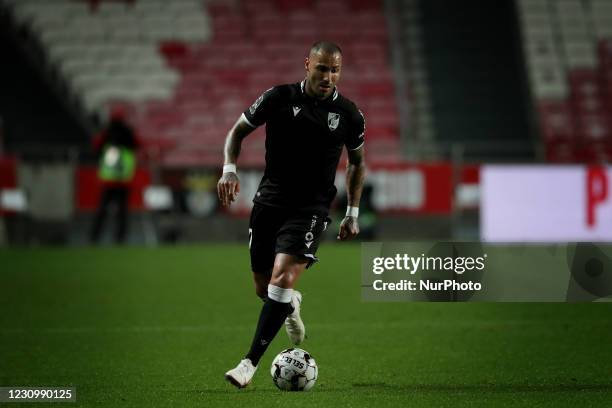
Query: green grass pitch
<point x="158" y="327"/>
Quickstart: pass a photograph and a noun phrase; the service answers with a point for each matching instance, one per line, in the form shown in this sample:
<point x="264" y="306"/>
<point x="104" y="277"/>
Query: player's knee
<point x="282" y="279"/>
<point x="285" y="274"/>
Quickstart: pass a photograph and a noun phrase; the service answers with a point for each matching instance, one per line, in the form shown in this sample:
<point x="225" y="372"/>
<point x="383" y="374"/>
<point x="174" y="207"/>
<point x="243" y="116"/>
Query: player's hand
<point x="228" y="188"/>
<point x="349" y="228"/>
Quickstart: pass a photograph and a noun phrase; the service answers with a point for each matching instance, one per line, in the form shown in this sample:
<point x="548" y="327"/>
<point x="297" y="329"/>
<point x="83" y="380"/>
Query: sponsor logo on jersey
<point x="258" y="101"/>
<point x="309" y="235"/>
<point x="362" y="117"/>
<point x="333" y="119"/>
<point x="296" y="110"/>
<point x="256" y="104"/>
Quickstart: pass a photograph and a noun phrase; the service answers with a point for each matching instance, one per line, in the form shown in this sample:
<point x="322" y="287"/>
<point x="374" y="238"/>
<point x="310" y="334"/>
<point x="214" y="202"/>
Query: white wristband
<point x="352" y="211"/>
<point x="229" y="168"/>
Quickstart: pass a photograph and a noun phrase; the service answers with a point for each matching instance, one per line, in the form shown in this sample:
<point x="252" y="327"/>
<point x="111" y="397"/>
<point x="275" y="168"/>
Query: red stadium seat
<point x="256" y="45"/>
<point x="604" y="51"/>
<point x="384" y="89"/>
<point x="593" y="128"/>
<point x="560" y="152"/>
<point x="577" y="126"/>
<point x="599" y="152"/>
<point x="556" y="122"/>
<point x="366" y="4"/>
<point x="173" y="49"/>
<point x="288" y="6"/>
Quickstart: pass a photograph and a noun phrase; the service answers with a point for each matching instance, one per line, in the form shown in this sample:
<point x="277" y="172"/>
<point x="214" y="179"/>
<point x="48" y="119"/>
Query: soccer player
<point x="307" y="124"/>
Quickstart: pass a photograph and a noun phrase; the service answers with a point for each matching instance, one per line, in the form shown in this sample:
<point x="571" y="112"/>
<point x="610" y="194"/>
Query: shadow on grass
<point x="413" y="388"/>
<point x="501" y="388"/>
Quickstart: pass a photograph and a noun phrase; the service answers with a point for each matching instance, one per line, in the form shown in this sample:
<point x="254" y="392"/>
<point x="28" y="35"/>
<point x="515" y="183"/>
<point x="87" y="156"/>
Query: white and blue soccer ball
<point x="294" y="369"/>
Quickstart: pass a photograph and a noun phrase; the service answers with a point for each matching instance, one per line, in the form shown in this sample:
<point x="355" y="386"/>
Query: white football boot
<point x="294" y="324"/>
<point x="242" y="375"/>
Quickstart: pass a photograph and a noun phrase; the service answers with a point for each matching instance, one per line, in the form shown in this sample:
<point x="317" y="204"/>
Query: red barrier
<point x="412" y="188"/>
<point x="8" y="176"/>
<point x="89" y="187"/>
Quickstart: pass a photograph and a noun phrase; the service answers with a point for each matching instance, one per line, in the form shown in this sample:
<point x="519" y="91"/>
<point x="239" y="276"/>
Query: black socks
<point x="271" y="318"/>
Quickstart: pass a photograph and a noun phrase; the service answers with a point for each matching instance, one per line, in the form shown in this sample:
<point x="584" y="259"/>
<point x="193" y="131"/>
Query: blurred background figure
<point x="116" y="147"/>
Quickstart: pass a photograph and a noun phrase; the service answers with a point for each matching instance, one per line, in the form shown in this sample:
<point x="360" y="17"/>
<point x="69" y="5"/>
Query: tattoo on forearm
<point x="233" y="142"/>
<point x="355" y="176"/>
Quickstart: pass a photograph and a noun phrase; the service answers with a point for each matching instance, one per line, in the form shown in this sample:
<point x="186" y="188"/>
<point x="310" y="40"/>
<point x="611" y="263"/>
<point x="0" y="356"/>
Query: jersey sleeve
<point x="263" y="108"/>
<point x="356" y="137"/>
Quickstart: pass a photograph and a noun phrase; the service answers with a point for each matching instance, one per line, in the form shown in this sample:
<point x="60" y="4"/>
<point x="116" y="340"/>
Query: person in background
<point x="115" y="146"/>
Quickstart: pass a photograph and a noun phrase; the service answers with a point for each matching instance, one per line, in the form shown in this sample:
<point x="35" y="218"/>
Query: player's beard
<point x="326" y="91"/>
<point x="318" y="90"/>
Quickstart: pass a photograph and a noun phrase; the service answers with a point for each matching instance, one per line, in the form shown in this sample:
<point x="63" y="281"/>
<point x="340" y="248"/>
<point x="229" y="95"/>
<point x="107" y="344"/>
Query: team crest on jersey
<point x="333" y="119"/>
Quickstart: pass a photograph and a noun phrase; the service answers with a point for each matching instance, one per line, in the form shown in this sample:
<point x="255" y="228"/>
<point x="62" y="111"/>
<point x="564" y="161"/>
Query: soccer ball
<point x="294" y="370"/>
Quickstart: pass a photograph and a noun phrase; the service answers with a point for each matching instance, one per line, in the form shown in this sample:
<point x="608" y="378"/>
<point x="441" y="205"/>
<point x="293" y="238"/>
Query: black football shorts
<point x="275" y="230"/>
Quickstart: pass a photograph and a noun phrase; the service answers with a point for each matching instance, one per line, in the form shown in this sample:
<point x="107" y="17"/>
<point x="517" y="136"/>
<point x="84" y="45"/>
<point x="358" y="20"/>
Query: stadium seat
<point x="561" y="152"/>
<point x="185" y="70"/>
<point x="593" y="128"/>
<point x="556" y="121"/>
<point x="569" y="59"/>
<point x="594" y="152"/>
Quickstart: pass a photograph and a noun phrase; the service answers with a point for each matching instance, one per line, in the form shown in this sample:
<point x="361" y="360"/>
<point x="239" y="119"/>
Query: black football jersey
<point x="304" y="141"/>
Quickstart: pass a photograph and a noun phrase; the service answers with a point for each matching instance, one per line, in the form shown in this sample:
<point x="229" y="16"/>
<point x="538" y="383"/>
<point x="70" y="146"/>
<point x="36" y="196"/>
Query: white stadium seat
<point x="111" y="52"/>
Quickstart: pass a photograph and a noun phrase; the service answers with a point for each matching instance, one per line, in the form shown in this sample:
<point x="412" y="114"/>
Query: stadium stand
<point x="568" y="47"/>
<point x="476" y="86"/>
<point x="184" y="70"/>
<point x="33" y="118"/>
